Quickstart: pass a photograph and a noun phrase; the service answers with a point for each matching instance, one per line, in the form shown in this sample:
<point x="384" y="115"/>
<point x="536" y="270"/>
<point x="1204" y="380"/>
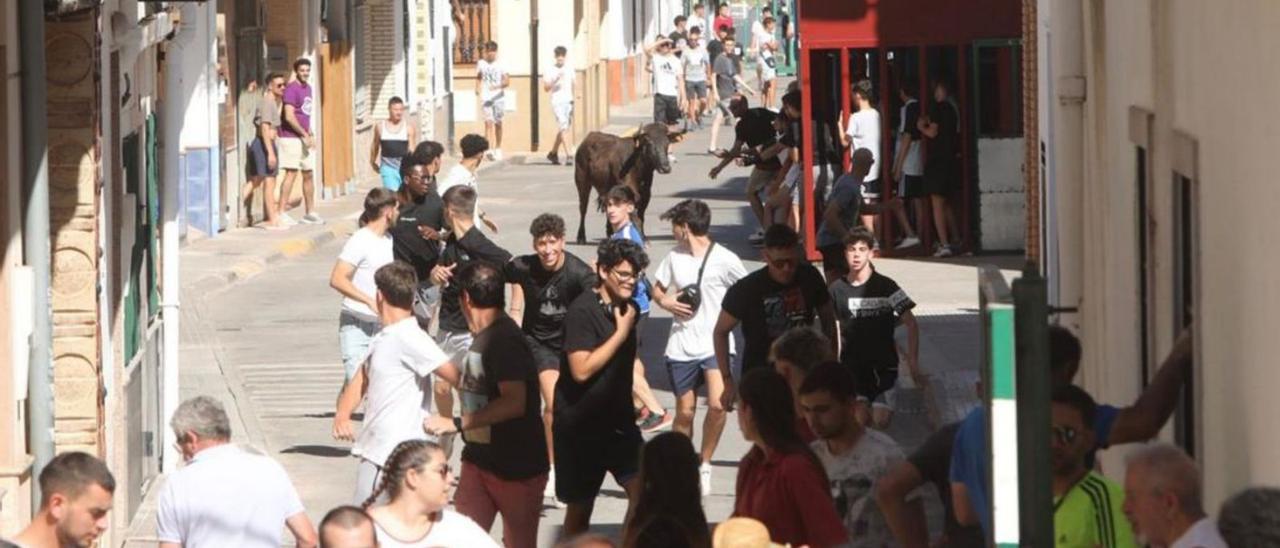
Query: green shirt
<point x="1091" y="515"/>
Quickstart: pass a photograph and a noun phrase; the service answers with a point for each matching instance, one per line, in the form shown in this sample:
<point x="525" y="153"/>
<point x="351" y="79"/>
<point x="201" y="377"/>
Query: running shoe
<point x="909" y="241"/>
<point x="287" y="220"/>
<point x="653" y="422"/>
<point x="943" y="251"/>
<point x="553" y="158"/>
<point x="312" y="219"/>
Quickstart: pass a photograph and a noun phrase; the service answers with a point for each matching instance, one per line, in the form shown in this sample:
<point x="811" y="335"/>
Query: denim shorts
<point x="354" y="334"/>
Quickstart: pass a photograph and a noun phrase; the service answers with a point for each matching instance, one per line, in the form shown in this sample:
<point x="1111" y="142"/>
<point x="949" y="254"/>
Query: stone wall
<point x="72" y="100"/>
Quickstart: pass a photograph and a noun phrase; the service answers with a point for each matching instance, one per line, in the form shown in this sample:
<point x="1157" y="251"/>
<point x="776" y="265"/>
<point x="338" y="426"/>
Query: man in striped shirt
<point x="1088" y="509"/>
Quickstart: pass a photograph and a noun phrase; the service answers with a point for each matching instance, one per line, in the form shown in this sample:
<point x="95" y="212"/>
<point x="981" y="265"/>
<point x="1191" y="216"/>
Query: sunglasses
<point x="1065" y="434"/>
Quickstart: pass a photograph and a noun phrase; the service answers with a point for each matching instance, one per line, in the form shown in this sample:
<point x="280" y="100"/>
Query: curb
<point x="302" y="246"/>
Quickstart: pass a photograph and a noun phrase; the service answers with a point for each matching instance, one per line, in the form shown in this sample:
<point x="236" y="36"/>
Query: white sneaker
<point x="943" y="251"/>
<point x="497" y="154"/>
<point x="287" y="220"/>
<point x="550" y="490"/>
<point x="704" y="477"/>
<point x="312" y="219"/>
<point x="909" y="241"/>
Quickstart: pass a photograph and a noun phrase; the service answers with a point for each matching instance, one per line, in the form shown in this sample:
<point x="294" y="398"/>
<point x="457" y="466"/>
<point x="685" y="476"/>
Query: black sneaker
<point x="654" y="422"/>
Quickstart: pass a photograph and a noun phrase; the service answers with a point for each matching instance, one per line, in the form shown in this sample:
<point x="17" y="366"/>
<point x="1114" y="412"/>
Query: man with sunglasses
<point x="788" y="292"/>
<point x="416" y="235"/>
<point x="594" y="431"/>
<point x="1088" y="508"/>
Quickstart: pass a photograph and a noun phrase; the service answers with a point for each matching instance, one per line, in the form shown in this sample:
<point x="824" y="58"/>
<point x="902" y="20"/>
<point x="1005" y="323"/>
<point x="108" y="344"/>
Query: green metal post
<point x="1035" y="486"/>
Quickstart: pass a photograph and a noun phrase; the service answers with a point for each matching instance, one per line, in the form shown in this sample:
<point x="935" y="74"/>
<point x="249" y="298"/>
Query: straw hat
<point x="742" y="533"/>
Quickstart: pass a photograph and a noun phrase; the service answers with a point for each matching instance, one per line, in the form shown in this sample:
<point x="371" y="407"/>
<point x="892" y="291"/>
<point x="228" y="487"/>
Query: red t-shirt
<point x="722" y="22"/>
<point x="788" y="493"/>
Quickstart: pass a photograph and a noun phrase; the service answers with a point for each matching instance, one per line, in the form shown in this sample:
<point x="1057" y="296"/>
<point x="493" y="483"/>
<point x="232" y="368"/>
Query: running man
<point x="491" y="85"/>
<point x="559" y="83"/>
<point x="393" y="138"/>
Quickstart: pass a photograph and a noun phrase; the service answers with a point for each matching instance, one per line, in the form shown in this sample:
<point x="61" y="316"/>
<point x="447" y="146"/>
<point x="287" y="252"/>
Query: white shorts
<point x="792" y="181"/>
<point x="493" y="109"/>
<point x="564" y="114"/>
<point x="293" y="154"/>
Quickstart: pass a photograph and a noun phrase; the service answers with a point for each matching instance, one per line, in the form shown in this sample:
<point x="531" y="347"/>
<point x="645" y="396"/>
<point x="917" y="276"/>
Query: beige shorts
<point x="759" y="179"/>
<point x="294" y="154"/>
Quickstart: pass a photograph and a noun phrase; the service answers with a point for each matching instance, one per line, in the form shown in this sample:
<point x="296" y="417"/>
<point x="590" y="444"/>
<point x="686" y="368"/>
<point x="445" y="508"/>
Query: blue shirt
<point x="969" y="456"/>
<point x="641" y="298"/>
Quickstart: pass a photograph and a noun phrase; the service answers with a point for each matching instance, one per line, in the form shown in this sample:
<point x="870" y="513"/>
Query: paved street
<point x="268" y="343"/>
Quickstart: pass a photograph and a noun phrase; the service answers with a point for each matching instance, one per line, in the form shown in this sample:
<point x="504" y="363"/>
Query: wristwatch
<point x="457" y="423"/>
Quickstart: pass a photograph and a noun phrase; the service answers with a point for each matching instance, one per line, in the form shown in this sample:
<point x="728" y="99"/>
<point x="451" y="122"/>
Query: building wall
<point x="73" y="180"/>
<point x="383" y="61"/>
<point x="14" y="464"/>
<point x="1195" y="70"/>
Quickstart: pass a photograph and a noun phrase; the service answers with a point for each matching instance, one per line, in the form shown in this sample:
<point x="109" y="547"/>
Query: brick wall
<point x="284" y="28"/>
<point x="73" y="179"/>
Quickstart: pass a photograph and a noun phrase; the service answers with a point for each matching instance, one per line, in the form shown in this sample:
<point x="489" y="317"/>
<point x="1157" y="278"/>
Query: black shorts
<point x="913" y="186"/>
<point x="941" y="178"/>
<point x="833" y="259"/>
<point x="544" y="357"/>
<point x="696" y="90"/>
<point x="582" y="459"/>
<point x="666" y="109"/>
<point x="870" y="190"/>
<point x="258" y="165"/>
<point x="871" y="381"/>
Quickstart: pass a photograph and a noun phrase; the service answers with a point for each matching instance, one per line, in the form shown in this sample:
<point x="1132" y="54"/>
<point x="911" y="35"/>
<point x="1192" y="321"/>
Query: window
<point x="1186" y="289"/>
<point x="471" y="17"/>
<point x="1140" y="124"/>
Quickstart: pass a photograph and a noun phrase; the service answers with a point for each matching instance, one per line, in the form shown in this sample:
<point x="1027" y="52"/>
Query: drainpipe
<point x="533" y="74"/>
<point x="171" y="121"/>
<point x="35" y="237"/>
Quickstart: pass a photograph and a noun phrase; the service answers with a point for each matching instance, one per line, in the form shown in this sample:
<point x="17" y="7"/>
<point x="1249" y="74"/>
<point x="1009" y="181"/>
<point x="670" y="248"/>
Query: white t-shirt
<point x="695" y="21"/>
<point x="453" y="530"/>
<point x="561" y="81"/>
<point x="227" y="496"/>
<point x="692" y="340"/>
<point x="696" y="63"/>
<point x="864" y="130"/>
<point x="1202" y="534"/>
<point x="666" y="74"/>
<point x="913" y="164"/>
<point x="757" y="33"/>
<point x="491" y="75"/>
<point x="367" y="251"/>
<point x="853" y="476"/>
<point x="398" y="395"/>
<point x="459" y="175"/>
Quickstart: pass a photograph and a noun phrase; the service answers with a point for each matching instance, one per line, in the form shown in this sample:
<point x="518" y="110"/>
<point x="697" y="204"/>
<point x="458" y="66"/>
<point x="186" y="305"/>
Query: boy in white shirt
<point x="394" y="380"/>
<point x="491" y="85"/>
<point x="559" y="82"/>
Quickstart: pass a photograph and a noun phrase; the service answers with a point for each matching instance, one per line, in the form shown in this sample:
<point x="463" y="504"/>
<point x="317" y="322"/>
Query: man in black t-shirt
<point x="930" y="463"/>
<point x="755" y="134"/>
<point x="870" y="306"/>
<point x="464" y="244"/>
<point x="788" y="292"/>
<point x="545" y="283"/>
<point x="504" y="464"/>
<point x="595" y="430"/>
<point x="415" y="237"/>
<point x="941" y="168"/>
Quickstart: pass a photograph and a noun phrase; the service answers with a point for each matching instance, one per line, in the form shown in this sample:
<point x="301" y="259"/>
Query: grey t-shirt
<point x="725" y="70"/>
<point x="848" y="193"/>
<point x="268" y="111"/>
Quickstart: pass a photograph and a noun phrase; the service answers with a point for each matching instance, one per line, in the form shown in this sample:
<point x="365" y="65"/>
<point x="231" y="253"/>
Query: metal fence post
<point x="1035" y="497"/>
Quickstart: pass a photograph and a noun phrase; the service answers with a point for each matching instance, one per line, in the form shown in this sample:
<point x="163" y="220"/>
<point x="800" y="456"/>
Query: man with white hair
<point x="1251" y="518"/>
<point x="1162" y="499"/>
<point x="225" y="495"/>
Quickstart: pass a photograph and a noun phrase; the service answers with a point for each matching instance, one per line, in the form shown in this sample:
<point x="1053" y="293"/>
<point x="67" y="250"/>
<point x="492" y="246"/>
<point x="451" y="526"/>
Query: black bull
<point x="604" y="160"/>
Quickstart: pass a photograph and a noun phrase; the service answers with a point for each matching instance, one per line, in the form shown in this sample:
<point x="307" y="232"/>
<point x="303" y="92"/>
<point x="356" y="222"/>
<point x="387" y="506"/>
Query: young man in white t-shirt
<point x="695" y="265"/>
<point x="668" y="82"/>
<point x="766" y="64"/>
<point x="863" y="131"/>
<point x="699" y="19"/>
<point x="697" y="68"/>
<point x="225" y="495"/>
<point x="856" y="458"/>
<point x="559" y="82"/>
<point x="491" y="84"/>
<point x="364" y="253"/>
<point x="464" y="173"/>
<point x="394" y="380"/>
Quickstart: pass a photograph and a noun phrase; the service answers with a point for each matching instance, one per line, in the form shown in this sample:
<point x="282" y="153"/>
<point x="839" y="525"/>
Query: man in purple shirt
<point x="296" y="142"/>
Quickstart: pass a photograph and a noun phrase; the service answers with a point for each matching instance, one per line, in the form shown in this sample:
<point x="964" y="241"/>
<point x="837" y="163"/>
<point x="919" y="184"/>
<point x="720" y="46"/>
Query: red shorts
<point x="481" y="495"/>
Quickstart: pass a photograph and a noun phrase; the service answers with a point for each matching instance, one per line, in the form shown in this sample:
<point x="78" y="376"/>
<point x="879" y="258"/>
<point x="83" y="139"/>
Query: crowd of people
<point x="532" y="361"/>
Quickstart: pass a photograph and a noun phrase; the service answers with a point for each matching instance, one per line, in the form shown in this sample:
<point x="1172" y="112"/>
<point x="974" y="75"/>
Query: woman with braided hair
<point x="415" y="480"/>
